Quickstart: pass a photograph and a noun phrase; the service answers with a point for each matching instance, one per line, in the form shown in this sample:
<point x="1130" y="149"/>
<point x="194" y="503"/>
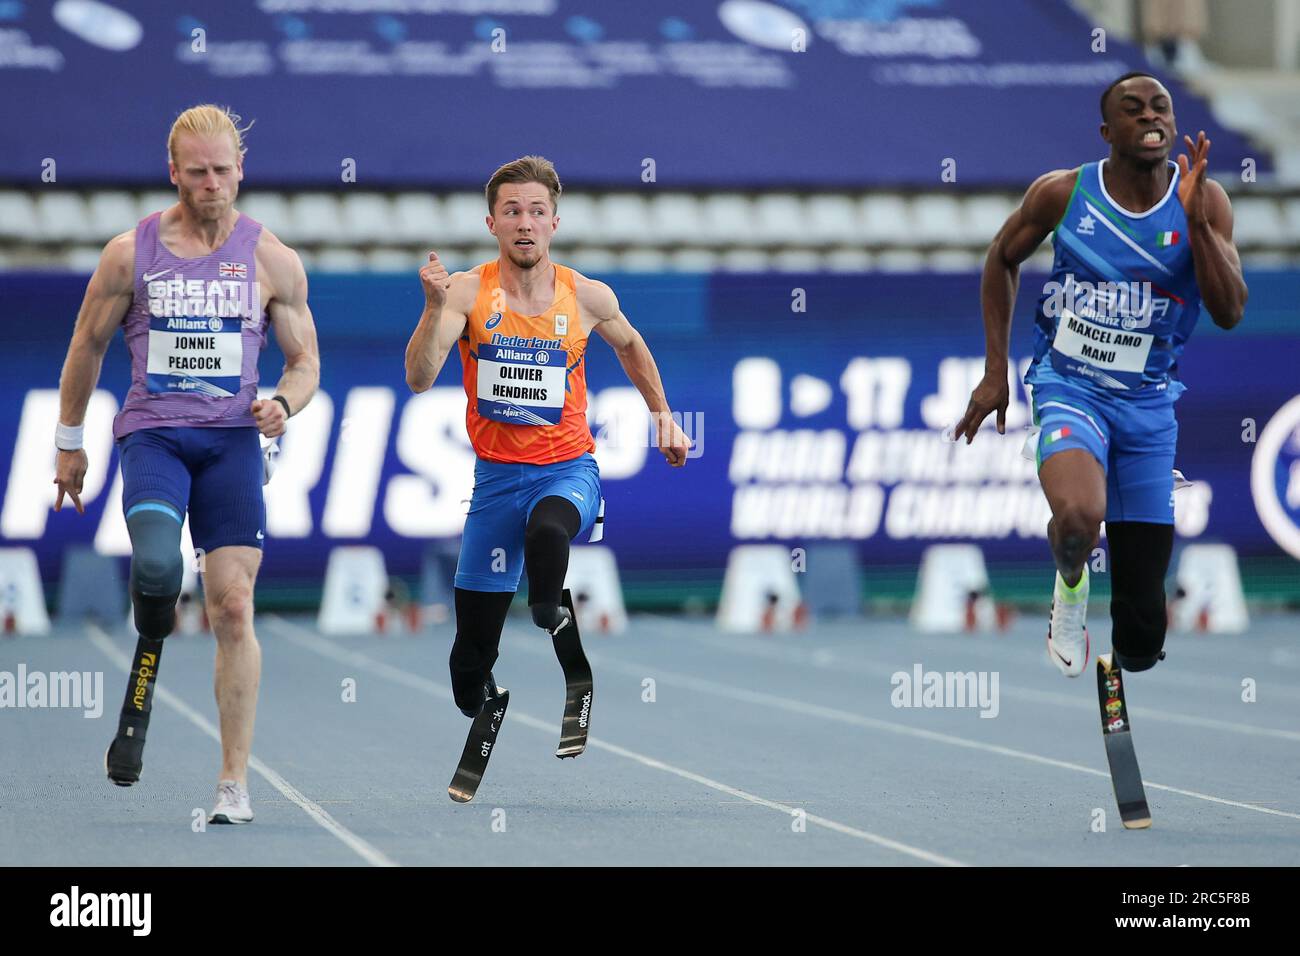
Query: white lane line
<point x="825" y="659"/>
<point x="858" y="720"/>
<point x="314" y="810"/>
<point x="1170" y="676"/>
<point x="309" y="640"/>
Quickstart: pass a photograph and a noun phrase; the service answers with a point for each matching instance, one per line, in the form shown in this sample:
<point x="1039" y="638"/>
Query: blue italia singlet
<point x="1122" y="300"/>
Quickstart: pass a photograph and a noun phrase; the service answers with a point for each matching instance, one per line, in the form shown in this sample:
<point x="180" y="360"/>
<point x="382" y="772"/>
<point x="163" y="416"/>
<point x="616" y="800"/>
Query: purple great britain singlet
<point x="195" y="330"/>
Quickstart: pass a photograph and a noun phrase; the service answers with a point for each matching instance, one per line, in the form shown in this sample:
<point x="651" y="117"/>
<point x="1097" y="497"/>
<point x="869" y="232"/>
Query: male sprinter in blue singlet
<point x="1141" y="243"/>
<point x="194" y="288"/>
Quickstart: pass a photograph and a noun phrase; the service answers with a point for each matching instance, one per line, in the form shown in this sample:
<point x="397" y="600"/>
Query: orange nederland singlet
<point x="524" y="376"/>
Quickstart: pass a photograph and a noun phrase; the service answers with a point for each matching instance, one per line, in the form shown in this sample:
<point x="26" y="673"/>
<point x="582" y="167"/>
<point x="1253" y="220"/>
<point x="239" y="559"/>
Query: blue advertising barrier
<point x="817" y="405"/>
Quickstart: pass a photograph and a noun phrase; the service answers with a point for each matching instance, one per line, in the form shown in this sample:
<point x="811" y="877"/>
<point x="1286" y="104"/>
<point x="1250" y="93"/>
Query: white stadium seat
<point x="676" y="218"/>
<point x="834" y="219"/>
<point x="797" y="260"/>
<point x="593" y="259"/>
<point x="643" y="259"/>
<point x="1256" y="221"/>
<point x="729" y="221"/>
<point x="886" y="219"/>
<point x="83" y="259"/>
<point x="579" y="221"/>
<point x="394" y="260"/>
<point x="110" y="213"/>
<point x="636" y="230"/>
<point x="848" y="260"/>
<point x="317" y="218"/>
<point x="1268" y="259"/>
<point x="693" y="260"/>
<point x="1291" y="221"/>
<point x="417" y="218"/>
<point x="938" y="220"/>
<point x="340" y="259"/>
<point x="478" y="254"/>
<point x="156" y="200"/>
<point x="272" y="211"/>
<point x="367" y="217"/>
<point x="900" y="260"/>
<point x="62" y="216"/>
<point x="18" y="217"/>
<point x="781" y="219"/>
<point x="624" y="219"/>
<point x="954" y="260"/>
<point x="463" y="221"/>
<point x="745" y="260"/>
<point x="986" y="214"/>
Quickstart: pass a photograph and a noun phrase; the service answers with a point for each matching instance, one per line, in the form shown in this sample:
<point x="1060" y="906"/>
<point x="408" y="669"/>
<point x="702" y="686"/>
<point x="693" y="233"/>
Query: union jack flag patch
<point x="233" y="270"/>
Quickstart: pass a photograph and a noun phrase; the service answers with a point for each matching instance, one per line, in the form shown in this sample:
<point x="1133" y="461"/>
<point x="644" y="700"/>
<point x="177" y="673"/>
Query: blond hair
<point x="526" y="169"/>
<point x="208" y="120"/>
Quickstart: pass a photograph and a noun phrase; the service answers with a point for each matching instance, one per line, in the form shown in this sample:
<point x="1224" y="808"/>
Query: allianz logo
<point x="1131" y="305"/>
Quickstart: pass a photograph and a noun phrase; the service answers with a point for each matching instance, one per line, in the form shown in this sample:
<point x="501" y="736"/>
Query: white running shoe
<point x="232" y="804"/>
<point x="1067" y="637"/>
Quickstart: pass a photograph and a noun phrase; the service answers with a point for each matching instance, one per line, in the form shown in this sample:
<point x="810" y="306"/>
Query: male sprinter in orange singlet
<point x="522" y="324"/>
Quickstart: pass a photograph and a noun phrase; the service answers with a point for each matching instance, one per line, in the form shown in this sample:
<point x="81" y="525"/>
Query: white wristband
<point x="68" y="437"/>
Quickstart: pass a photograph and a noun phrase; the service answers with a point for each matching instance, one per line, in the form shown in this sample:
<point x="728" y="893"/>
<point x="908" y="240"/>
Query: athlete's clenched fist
<point x="433" y="276"/>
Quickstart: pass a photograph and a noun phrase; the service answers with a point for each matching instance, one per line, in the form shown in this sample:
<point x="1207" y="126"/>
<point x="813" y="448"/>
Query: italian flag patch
<point x="1057" y="435"/>
<point x="1166" y="239"/>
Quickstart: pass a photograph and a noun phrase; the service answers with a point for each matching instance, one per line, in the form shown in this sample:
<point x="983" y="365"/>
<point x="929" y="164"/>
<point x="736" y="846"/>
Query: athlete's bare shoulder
<point x="278" y="264"/>
<point x="117" y="263"/>
<point x="271" y="248"/>
<point x="1048" y="196"/>
<point x="1219" y="203"/>
<point x="462" y="290"/>
<point x="595" y="298"/>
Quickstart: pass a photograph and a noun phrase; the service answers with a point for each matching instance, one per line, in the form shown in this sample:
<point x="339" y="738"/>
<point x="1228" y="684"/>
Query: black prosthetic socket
<point x="1139" y="560"/>
<point x="552" y="525"/>
<point x="480" y="615"/>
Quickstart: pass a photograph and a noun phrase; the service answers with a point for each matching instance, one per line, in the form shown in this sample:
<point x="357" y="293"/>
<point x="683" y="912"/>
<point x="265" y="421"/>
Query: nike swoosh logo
<point x="1068" y="662"/>
<point x="149" y="278"/>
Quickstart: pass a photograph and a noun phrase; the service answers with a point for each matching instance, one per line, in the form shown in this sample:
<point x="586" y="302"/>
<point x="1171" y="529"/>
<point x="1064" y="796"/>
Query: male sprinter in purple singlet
<point x="194" y="288"/>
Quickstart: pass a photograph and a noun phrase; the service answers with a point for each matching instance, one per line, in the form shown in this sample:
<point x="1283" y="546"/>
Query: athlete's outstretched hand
<point x="991" y="393"/>
<point x="69" y="472"/>
<point x="433" y="276"/>
<point x="268" y="415"/>
<point x="671" y="440"/>
<point x="1191" y="176"/>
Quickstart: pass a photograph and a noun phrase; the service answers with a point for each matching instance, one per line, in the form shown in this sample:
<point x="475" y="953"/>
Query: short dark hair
<point x="1131" y="75"/>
